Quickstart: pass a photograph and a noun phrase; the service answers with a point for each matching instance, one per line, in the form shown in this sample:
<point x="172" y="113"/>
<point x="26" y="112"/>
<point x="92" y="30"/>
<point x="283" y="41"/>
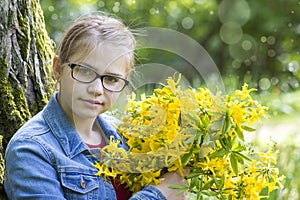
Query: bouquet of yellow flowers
<point x="173" y="129"/>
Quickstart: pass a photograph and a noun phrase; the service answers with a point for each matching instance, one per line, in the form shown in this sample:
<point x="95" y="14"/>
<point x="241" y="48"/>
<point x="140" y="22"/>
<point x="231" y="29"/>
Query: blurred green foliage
<point x="250" y="41"/>
<point x="283" y="134"/>
<point x="285" y="105"/>
<point x="256" y="42"/>
<point x="288" y="163"/>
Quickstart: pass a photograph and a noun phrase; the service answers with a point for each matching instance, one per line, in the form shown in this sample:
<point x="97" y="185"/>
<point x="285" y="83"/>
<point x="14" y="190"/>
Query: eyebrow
<point x="92" y="68"/>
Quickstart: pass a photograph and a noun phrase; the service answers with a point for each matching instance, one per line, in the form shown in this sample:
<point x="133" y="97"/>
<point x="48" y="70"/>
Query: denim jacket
<point x="46" y="159"/>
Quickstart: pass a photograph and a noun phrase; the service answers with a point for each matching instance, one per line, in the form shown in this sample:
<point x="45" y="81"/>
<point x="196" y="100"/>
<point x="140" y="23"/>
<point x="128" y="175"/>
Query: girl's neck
<point x="89" y="130"/>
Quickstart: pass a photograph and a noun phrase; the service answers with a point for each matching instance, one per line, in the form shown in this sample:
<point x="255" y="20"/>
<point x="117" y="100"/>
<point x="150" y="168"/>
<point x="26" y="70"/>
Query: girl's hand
<point x="172" y="178"/>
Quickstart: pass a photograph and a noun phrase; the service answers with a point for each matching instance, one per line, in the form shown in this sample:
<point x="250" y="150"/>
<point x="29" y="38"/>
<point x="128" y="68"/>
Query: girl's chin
<point x="87" y="115"/>
<point x="89" y="112"/>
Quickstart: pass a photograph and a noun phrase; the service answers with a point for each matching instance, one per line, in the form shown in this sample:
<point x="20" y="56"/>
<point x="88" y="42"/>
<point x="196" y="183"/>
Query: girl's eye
<point x="85" y="71"/>
<point x="111" y="79"/>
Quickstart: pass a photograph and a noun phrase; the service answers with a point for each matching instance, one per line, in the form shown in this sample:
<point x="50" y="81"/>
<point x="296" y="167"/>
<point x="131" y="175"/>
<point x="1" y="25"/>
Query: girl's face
<point x="87" y="100"/>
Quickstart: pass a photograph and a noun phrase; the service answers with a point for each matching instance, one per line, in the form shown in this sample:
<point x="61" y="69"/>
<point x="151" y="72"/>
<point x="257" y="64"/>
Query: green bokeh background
<point x="254" y="42"/>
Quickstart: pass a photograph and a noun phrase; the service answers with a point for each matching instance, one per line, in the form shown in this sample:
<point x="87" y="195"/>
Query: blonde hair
<point x="88" y="32"/>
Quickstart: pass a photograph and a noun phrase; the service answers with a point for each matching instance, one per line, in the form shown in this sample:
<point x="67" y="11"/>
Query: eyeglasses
<point x="85" y="74"/>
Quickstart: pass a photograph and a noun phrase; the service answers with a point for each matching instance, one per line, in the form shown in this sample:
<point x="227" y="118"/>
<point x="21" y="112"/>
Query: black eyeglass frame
<point x="73" y="65"/>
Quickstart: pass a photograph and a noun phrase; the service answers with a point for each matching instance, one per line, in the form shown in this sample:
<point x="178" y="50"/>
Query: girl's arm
<point x="30" y="173"/>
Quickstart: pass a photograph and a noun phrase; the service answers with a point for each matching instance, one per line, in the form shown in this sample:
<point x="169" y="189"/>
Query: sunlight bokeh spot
<point x="264" y="84"/>
<point x="51" y="8"/>
<point x="234" y="11"/>
<point x="231" y="32"/>
<point x="173" y="9"/>
<point x="271" y="53"/>
<point x="154" y="11"/>
<point x="246" y="45"/>
<point x="293" y="66"/>
<point x="244" y="49"/>
<point x="101" y="4"/>
<point x="263" y="39"/>
<point x="271" y="40"/>
<point x="130" y="2"/>
<point x="187" y="23"/>
<point x="236" y="64"/>
<point x="54" y="16"/>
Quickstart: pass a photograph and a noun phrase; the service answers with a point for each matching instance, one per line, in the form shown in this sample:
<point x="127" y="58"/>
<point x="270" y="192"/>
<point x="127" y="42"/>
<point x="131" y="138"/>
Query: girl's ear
<point x="57" y="69"/>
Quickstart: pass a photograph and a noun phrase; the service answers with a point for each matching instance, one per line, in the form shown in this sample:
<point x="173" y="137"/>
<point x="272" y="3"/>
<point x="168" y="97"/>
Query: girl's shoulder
<point x="33" y="127"/>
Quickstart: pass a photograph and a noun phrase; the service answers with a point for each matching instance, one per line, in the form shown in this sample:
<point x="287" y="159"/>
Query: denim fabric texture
<point x="46" y="159"/>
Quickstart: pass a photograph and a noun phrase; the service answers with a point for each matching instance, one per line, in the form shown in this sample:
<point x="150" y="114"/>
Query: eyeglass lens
<point x="86" y="75"/>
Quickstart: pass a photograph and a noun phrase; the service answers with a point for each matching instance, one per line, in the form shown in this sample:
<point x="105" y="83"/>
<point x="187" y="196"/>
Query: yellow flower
<point x="174" y="129"/>
<point x="269" y="156"/>
<point x="238" y="112"/>
<point x="105" y="170"/>
<point x="244" y="93"/>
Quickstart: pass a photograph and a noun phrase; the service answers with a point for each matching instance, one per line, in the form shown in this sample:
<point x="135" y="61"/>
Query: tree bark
<point x="26" y="53"/>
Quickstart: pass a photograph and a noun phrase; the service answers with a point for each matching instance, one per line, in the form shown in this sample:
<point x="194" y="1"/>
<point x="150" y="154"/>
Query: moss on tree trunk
<point x="26" y="53"/>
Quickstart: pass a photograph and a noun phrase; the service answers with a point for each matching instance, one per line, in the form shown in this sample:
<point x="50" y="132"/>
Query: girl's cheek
<point x="114" y="98"/>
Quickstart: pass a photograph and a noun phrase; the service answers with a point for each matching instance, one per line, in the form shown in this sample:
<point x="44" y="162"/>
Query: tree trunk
<point x="26" y="53"/>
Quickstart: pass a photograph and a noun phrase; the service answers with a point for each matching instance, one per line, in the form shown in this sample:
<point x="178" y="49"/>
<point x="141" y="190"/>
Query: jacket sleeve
<point x="149" y="193"/>
<point x="30" y="174"/>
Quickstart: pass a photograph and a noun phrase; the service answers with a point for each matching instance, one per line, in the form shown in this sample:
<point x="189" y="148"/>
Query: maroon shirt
<point x="121" y="192"/>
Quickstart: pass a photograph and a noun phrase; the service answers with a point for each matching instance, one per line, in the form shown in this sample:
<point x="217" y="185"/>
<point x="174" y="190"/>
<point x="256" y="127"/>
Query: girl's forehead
<point x="105" y="57"/>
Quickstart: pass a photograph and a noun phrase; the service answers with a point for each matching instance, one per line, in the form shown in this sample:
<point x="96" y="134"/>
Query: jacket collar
<point x="67" y="135"/>
<point x="62" y="128"/>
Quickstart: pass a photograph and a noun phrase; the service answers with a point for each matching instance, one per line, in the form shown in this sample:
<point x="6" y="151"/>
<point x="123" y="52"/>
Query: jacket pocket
<point x="79" y="183"/>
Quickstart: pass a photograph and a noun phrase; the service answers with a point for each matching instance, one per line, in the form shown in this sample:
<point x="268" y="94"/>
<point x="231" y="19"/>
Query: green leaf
<point x="186" y="157"/>
<point x="190" y="140"/>
<point x="199" y="186"/>
<point x="223" y="144"/>
<point x="193" y="118"/>
<point x="239" y="147"/>
<point x="226" y="143"/>
<point x="209" y="193"/>
<point x="215" y="181"/>
<point x="248" y="128"/>
<point x="206" y="120"/>
<point x="242" y="156"/>
<point x="192" y="131"/>
<point x="196" y="150"/>
<point x="226" y="124"/>
<point x="181" y="188"/>
<point x="199" y="196"/>
<point x="239" y="159"/>
<point x="178" y="187"/>
<point x="234" y="164"/>
<point x="194" y="174"/>
<point x="206" y="139"/>
<point x="194" y="182"/>
<point x="240" y="133"/>
<point x="182" y="191"/>
<point x="199" y="138"/>
<point x="222" y="181"/>
<point x="218" y="153"/>
<point x="208" y="185"/>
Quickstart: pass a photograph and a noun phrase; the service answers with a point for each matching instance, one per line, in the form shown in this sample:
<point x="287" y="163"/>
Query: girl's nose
<point x="96" y="87"/>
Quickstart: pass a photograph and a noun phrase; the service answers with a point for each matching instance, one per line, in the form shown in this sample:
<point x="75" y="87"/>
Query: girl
<point x="51" y="156"/>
